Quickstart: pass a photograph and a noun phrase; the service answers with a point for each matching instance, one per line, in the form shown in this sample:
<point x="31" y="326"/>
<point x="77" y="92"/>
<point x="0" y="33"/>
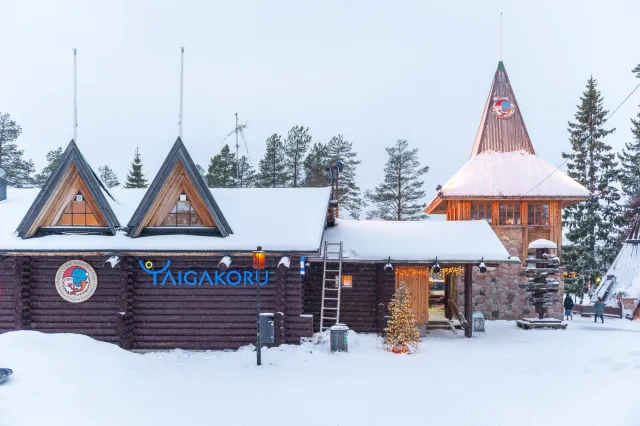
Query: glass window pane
<point x="79" y="220"/>
<point x="78" y="206"/>
<point x="170" y="220"/>
<point x="65" y="220"/>
<point x="91" y="220"/>
<point x="183" y="206"/>
<point x="182" y="219"/>
<point x="195" y="219"/>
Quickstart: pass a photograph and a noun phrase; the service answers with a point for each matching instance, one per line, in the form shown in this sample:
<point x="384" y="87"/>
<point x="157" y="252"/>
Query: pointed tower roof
<point x="178" y="161"/>
<point x="71" y="174"/>
<point x="502" y="127"/>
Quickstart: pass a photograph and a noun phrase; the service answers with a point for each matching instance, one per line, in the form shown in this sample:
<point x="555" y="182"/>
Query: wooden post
<point x="381" y="306"/>
<point x="468" y="290"/>
<point x="280" y="304"/>
<point x="124" y="318"/>
<point x="22" y="295"/>
<point x="447" y="295"/>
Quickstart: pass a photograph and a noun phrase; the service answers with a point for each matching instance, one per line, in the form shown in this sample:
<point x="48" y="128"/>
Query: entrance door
<point x="417" y="279"/>
<point x="437" y="300"/>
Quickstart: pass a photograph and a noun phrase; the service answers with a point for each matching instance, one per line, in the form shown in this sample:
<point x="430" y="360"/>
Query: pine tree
<point x="402" y="334"/>
<point x="347" y="193"/>
<point x="135" y="178"/>
<point x="630" y="168"/>
<point x="247" y="175"/>
<point x="592" y="226"/>
<point x="397" y="197"/>
<point x="18" y="171"/>
<point x="296" y="146"/>
<point x="53" y="157"/>
<point x="108" y="176"/>
<point x="222" y="169"/>
<point x="314" y="166"/>
<point x="272" y="170"/>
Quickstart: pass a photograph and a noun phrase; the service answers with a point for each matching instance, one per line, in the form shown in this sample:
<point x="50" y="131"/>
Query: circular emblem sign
<point x="76" y="281"/>
<point x="503" y="108"/>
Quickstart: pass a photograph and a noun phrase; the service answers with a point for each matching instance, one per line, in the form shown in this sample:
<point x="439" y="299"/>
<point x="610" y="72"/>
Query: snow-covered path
<point x="585" y="375"/>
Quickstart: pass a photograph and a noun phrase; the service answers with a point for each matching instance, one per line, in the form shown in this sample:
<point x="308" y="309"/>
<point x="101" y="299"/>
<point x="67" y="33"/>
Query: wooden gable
<point x="71" y="176"/>
<point x="178" y="174"/>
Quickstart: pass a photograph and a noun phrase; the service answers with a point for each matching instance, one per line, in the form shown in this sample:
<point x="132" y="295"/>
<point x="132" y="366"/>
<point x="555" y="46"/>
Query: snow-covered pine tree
<point x="53" y="157"/>
<point x="272" y="169"/>
<point x="630" y="168"/>
<point x="19" y="172"/>
<point x="315" y="164"/>
<point x="592" y="226"/>
<point x="402" y="334"/>
<point x="222" y="169"/>
<point x="108" y="176"/>
<point x="296" y="146"/>
<point x="247" y="175"/>
<point x="348" y="193"/>
<point x="135" y="178"/>
<point x="398" y="196"/>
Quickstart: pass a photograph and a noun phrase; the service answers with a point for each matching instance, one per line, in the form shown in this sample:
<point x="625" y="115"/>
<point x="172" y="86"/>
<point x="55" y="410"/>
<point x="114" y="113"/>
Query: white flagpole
<point x="75" y="95"/>
<point x="181" y="90"/>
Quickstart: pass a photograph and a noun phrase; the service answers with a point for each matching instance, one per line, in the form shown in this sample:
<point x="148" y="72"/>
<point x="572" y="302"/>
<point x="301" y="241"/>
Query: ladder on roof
<point x="331" y="285"/>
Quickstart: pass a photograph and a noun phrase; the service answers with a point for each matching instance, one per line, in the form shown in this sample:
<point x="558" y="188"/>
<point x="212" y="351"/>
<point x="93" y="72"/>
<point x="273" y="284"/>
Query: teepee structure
<point x="622" y="281"/>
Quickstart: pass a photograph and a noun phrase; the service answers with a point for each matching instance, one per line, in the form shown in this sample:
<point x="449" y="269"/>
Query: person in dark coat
<point x="598" y="308"/>
<point x="568" y="307"/>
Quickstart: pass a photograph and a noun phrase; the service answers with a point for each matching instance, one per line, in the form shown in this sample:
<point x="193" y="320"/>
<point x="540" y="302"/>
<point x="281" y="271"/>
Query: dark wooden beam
<point x="280" y="305"/>
<point x="468" y="290"/>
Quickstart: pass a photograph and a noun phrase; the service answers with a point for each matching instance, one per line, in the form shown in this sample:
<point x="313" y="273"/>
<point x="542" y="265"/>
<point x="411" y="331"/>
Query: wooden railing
<point x="458" y="314"/>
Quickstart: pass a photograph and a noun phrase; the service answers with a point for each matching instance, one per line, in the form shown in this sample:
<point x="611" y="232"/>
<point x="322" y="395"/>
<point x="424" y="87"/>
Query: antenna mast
<point x="75" y="95"/>
<point x="237" y="155"/>
<point x="181" y="90"/>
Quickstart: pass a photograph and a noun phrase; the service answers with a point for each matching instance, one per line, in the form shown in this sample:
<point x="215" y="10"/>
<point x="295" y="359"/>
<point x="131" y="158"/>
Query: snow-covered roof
<point x="511" y="174"/>
<point x="278" y="219"/>
<point x="419" y="241"/>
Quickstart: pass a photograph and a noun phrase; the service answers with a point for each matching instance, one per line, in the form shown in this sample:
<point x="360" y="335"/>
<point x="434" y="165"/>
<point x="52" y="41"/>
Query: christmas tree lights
<point x="402" y="335"/>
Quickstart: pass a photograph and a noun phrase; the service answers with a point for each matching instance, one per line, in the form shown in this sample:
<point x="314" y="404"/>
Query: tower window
<point x="539" y="214"/>
<point x="481" y="211"/>
<point x="509" y="214"/>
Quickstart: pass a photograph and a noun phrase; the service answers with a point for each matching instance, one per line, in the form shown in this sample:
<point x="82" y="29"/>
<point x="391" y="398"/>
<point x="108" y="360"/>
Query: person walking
<point x="568" y="307"/>
<point x="598" y="308"/>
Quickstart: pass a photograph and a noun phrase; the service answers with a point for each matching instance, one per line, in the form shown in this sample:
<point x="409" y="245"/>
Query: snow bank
<point x="499" y="379"/>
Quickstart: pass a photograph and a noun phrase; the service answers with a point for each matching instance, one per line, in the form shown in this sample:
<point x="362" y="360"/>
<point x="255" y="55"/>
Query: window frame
<point x="512" y="211"/>
<point x="532" y="212"/>
<point x="349" y="279"/>
<point x="183" y="199"/>
<point x="70" y="211"/>
<point x="487" y="208"/>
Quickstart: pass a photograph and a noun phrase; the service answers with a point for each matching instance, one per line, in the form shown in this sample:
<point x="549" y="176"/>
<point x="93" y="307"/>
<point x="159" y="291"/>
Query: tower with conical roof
<point x="505" y="182"/>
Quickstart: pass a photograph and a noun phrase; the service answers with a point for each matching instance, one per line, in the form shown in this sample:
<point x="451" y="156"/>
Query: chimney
<point x="3" y="186"/>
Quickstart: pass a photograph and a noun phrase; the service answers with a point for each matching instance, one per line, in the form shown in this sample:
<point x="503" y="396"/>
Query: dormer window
<point x="78" y="213"/>
<point x="182" y="214"/>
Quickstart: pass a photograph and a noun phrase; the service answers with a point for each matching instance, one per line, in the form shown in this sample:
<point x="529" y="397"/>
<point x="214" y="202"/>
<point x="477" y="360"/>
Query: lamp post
<point x="258" y="264"/>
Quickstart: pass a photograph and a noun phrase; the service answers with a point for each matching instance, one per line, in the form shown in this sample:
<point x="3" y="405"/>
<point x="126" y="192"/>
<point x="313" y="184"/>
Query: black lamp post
<point x="258" y="264"/>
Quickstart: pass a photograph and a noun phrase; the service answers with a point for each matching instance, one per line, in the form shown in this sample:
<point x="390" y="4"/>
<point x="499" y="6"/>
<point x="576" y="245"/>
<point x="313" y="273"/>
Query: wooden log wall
<point x="363" y="307"/>
<point x="8" y="290"/>
<point x="128" y="310"/>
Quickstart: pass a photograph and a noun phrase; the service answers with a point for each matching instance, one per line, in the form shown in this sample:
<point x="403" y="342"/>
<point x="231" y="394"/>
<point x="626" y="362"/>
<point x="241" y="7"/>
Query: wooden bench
<point x="588" y="310"/>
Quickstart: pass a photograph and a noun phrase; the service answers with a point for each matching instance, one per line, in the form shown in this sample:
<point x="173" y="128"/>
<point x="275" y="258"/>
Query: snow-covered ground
<point x="585" y="375"/>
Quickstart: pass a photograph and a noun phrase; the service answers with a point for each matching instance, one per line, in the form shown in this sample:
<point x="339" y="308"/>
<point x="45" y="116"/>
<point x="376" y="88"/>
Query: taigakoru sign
<point x="195" y="278"/>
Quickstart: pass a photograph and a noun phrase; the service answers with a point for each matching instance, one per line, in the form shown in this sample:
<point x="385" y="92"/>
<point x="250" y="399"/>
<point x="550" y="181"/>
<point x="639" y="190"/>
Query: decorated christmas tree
<point x="402" y="333"/>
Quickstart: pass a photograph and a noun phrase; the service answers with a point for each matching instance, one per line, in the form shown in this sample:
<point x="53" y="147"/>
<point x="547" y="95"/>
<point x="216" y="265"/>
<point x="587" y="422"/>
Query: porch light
<point x="482" y="266"/>
<point x="436" y="267"/>
<point x="388" y="266"/>
<point x="258" y="258"/>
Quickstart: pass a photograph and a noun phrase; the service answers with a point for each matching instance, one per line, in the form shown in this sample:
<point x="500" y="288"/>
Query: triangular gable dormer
<point x="502" y="127"/>
<point x="71" y="201"/>
<point x="178" y="201"/>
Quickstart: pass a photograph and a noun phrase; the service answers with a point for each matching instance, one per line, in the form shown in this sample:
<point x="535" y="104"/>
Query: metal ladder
<point x="331" y="285"/>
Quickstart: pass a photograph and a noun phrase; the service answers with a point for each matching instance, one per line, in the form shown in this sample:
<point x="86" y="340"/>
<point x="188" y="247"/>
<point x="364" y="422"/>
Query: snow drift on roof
<point x="419" y="241"/>
<point x="511" y="174"/>
<point x="278" y="219"/>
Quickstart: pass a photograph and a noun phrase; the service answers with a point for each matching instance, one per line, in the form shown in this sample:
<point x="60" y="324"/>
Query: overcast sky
<point x="374" y="71"/>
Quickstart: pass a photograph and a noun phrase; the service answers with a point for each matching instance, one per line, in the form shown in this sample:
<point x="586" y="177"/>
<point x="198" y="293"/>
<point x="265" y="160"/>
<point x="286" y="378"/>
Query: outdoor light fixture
<point x="482" y="266"/>
<point x="438" y="188"/>
<point x="388" y="266"/>
<point x="436" y="267"/>
<point x="258" y="264"/>
<point x="258" y="259"/>
<point x="224" y="263"/>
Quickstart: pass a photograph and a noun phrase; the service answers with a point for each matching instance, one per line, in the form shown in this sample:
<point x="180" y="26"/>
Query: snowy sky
<point x="375" y="71"/>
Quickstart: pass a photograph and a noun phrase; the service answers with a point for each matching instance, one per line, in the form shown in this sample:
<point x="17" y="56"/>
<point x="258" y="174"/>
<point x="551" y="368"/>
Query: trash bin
<point x="267" y="330"/>
<point x="338" y="338"/>
<point x="477" y="320"/>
